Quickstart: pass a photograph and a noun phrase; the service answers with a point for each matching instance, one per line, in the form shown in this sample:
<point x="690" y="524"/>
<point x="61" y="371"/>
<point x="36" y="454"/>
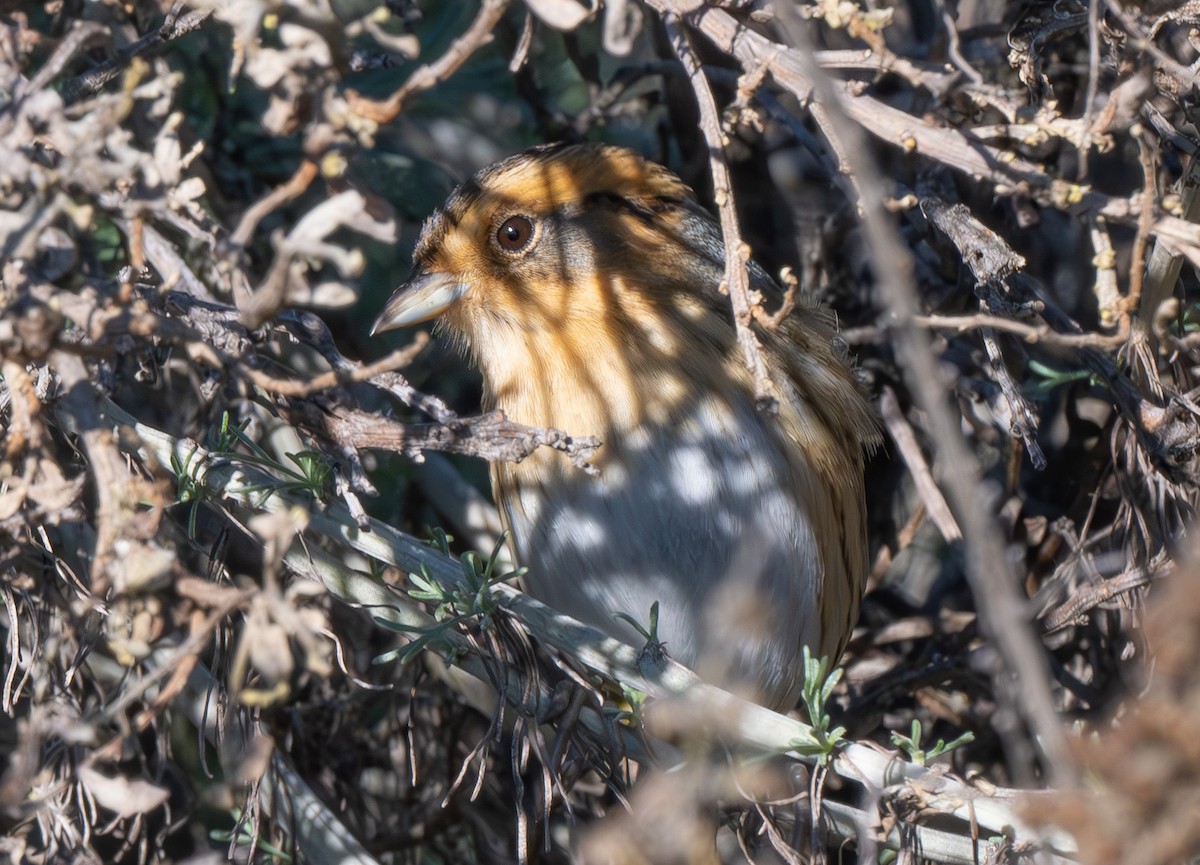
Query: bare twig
<point x="1093" y="83"/>
<point x="1164" y="265"/>
<point x="276" y="198"/>
<point x="737" y="277"/>
<point x="292" y="387"/>
<point x="1031" y="333"/>
<point x="1024" y="421"/>
<point x="83" y="35"/>
<point x="910" y="451"/>
<point x="1144" y="227"/>
<point x="1075" y="608"/>
<point x="490" y="436"/>
<point x="172" y="28"/>
<point x="117" y="490"/>
<point x="1107" y="291"/>
<point x="425" y="77"/>
<point x="992" y="262"/>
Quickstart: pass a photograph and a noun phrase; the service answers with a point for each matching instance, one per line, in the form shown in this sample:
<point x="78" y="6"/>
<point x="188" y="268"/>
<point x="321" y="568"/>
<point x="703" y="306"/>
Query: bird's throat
<point x="587" y="382"/>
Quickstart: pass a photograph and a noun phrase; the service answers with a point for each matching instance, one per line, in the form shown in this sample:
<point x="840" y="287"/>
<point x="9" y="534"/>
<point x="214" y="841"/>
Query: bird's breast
<point x="706" y="514"/>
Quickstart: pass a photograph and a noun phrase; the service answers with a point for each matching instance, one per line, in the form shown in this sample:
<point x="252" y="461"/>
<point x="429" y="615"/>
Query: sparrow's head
<point x="586" y="282"/>
<point x="556" y="240"/>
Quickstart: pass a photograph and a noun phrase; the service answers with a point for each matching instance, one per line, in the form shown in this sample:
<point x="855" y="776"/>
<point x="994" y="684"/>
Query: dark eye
<point x="514" y="233"/>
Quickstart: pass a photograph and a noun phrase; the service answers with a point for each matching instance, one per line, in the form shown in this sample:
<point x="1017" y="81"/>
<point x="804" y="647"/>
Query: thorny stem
<point x="737" y="277"/>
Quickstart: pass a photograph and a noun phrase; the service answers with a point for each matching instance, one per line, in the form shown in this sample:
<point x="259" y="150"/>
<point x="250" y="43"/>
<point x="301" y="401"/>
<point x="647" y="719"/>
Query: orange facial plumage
<point x="585" y="282"/>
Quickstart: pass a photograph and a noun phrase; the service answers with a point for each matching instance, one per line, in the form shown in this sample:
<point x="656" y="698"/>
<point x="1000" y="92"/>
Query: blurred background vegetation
<point x="214" y="485"/>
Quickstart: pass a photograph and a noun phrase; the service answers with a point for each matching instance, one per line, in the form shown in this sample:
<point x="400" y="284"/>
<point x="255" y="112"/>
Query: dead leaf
<point x="622" y="24"/>
<point x="127" y="797"/>
<point x="561" y="14"/>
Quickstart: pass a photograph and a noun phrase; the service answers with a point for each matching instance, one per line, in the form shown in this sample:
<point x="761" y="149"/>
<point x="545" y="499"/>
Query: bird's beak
<point x="425" y="296"/>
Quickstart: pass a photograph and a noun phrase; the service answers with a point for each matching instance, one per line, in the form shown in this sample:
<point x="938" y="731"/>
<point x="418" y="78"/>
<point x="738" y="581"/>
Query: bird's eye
<point x="514" y="233"/>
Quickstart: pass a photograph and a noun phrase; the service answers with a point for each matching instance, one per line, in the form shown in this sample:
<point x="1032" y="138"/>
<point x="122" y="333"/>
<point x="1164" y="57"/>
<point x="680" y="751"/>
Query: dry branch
<point x="753" y="726"/>
<point x="153" y="262"/>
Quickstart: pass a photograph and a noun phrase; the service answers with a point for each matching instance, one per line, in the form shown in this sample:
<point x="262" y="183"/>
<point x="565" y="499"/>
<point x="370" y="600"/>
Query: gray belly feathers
<point x="717" y="536"/>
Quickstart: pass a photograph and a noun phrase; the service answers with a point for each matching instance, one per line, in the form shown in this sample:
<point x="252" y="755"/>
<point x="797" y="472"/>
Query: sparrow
<point x="586" y="283"/>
